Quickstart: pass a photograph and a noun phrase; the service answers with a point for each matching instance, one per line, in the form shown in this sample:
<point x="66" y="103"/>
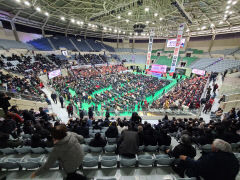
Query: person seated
<point x="5" y="142"/>
<point x="220" y="164"/>
<point x="36" y="141"/>
<point x="112" y="131"/>
<point x="149" y="136"/>
<point x="82" y="129"/>
<point x="128" y="143"/>
<point x="219" y="112"/>
<point x="163" y="138"/>
<point x="98" y="141"/>
<point x="184" y="148"/>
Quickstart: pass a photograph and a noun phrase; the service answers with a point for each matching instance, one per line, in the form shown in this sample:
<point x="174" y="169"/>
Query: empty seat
<point x="95" y="149"/>
<point x="141" y="148"/>
<point x="109" y="161"/>
<point x="110" y="148"/>
<point x="127" y="162"/>
<point x="85" y="148"/>
<point x="26" y="136"/>
<point x="150" y="148"/>
<point x="6" y="151"/>
<point x="90" y="161"/>
<point x="163" y="160"/>
<point x="30" y="163"/>
<point x="145" y="160"/>
<point x="38" y="150"/>
<point x="10" y="163"/>
<point x="23" y="150"/>
<point x="96" y="131"/>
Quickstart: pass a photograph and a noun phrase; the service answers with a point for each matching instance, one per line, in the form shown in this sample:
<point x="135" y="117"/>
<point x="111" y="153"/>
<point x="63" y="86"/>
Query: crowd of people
<point x="186" y="95"/>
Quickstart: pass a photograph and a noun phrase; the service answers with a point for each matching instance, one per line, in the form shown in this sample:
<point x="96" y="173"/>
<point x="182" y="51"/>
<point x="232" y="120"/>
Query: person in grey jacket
<point x="67" y="150"/>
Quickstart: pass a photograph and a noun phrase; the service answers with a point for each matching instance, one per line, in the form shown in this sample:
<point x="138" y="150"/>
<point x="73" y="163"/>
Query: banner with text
<point x="177" y="48"/>
<point x="148" y="62"/>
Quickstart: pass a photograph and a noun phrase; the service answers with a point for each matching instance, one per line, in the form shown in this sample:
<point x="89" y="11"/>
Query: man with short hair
<point x="220" y="164"/>
<point x="67" y="150"/>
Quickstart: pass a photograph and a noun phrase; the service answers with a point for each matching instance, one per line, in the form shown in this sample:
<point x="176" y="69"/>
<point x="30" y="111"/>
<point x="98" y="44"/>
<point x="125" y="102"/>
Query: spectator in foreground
<point x="220" y="164"/>
<point x="4" y="102"/>
<point x="70" y="110"/>
<point x="67" y="151"/>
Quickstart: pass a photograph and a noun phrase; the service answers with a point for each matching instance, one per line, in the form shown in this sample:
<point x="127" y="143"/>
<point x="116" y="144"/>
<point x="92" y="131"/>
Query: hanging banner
<point x="177" y="48"/>
<point x="148" y="62"/>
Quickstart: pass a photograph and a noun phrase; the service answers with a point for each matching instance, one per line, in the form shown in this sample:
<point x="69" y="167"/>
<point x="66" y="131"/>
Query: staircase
<point x="50" y="42"/>
<point x="89" y="45"/>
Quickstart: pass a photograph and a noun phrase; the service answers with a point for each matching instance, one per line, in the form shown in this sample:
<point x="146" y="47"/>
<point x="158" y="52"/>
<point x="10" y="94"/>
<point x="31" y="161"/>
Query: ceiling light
<point x="127" y="20"/>
<point x="212" y="25"/>
<point x="136" y="33"/>
<point x="73" y="20"/>
<point x="153" y="23"/>
<point x="81" y="22"/>
<point x="143" y="34"/>
<point x="94" y="26"/>
<point x="26" y="3"/>
<point x="230" y="12"/>
<point x="147" y="34"/>
<point x="198" y="29"/>
<point x="129" y="13"/>
<point x="234" y="2"/>
<point x="225" y="16"/>
<point x="155" y="14"/>
<point x="89" y="24"/>
<point x="221" y="22"/>
<point x="227" y="7"/>
<point x="119" y="31"/>
<point x="130" y="33"/>
<point x="226" y="11"/>
<point x="46" y="14"/>
<point x="146" y="9"/>
<point x="115" y="30"/>
<point x="204" y="27"/>
<point x="63" y="18"/>
<point x="104" y="28"/>
<point x="229" y="2"/>
<point x="123" y="32"/>
<point x="160" y="19"/>
<point x="17" y="1"/>
<point x="187" y="30"/>
<point x="38" y="9"/>
<point x="110" y="29"/>
<point x="78" y="22"/>
<point x="147" y="22"/>
<point x="119" y="17"/>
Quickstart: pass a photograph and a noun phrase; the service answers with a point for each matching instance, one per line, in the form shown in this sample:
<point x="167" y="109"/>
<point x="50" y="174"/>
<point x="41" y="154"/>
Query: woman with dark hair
<point x="112" y="131"/>
<point x="136" y="119"/>
<point x="98" y="141"/>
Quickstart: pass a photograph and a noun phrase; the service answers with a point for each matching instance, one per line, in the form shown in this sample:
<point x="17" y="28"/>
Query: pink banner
<point x="159" y="68"/>
<point x="199" y="72"/>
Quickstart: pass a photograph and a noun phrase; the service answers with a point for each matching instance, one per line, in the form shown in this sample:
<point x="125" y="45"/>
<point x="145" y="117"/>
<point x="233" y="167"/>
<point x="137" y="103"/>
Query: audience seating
<point x="145" y="160"/>
<point x="109" y="161"/>
<point x="90" y="162"/>
<point x="127" y="162"/>
<point x="163" y="160"/>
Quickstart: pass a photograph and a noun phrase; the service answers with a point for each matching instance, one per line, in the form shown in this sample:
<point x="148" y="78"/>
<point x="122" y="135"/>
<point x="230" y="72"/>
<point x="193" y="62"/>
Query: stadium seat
<point x="85" y="148"/>
<point x="150" y="148"/>
<point x="206" y="148"/>
<point x="127" y="162"/>
<point x="26" y="136"/>
<point x="49" y="149"/>
<point x="95" y="149"/>
<point x="23" y="150"/>
<point x="90" y="161"/>
<point x="88" y="140"/>
<point x="30" y="163"/>
<point x="163" y="160"/>
<point x="38" y="150"/>
<point x="141" y="148"/>
<point x="109" y="161"/>
<point x="7" y="151"/>
<point x="145" y="160"/>
<point x="110" y="148"/>
<point x="10" y="163"/>
<point x="112" y="140"/>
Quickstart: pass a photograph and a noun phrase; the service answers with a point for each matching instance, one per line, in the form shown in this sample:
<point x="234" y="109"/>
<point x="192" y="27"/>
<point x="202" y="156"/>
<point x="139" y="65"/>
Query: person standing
<point x="90" y="113"/>
<point x="54" y="97"/>
<point x="61" y="100"/>
<point x="70" y="110"/>
<point x="4" y="102"/>
<point x="67" y="151"/>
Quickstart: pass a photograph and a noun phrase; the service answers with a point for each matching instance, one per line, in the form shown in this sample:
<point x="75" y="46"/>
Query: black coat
<point x="214" y="165"/>
<point x="164" y="139"/>
<point x="4" y="102"/>
<point x="182" y="149"/>
<point x="112" y="132"/>
<point x="84" y="131"/>
<point x="98" y="142"/>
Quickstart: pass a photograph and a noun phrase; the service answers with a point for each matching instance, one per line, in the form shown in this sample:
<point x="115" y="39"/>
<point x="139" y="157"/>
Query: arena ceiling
<point x="116" y="18"/>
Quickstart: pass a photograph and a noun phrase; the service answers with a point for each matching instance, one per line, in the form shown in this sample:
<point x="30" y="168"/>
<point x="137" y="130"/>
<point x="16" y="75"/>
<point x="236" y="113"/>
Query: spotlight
<point x="160" y="19"/>
<point x="146" y="9"/>
<point x="119" y="17"/>
<point x="129" y="13"/>
<point x="38" y="9"/>
<point x="73" y="20"/>
<point x="227" y="7"/>
<point x="155" y="14"/>
<point x="46" y="14"/>
<point x="212" y="25"/>
<point x="221" y="22"/>
<point x="234" y="2"/>
<point x="26" y="3"/>
<point x="78" y="22"/>
<point x="63" y="18"/>
<point x="127" y="20"/>
<point x="147" y="22"/>
<point x="18" y="1"/>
